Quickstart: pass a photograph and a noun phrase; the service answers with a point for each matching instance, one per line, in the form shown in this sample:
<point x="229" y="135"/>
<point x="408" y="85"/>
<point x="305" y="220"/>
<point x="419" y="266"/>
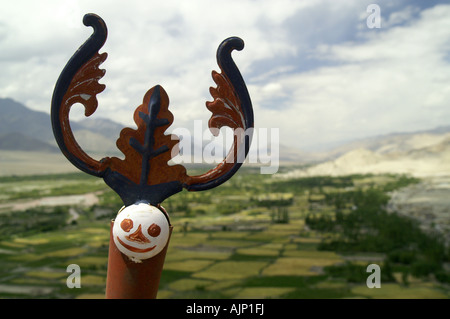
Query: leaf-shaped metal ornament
<point x="144" y="175"/>
<point x="78" y="83"/>
<point x="231" y="107"/>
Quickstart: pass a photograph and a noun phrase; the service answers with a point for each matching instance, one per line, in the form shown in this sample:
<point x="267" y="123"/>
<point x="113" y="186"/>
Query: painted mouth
<point x="135" y="249"/>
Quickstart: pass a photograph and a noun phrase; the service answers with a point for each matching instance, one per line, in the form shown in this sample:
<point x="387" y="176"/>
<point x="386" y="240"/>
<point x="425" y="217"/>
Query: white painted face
<point x="140" y="231"/>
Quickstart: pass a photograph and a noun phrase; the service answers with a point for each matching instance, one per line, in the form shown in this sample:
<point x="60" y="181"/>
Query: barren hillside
<point x="419" y="155"/>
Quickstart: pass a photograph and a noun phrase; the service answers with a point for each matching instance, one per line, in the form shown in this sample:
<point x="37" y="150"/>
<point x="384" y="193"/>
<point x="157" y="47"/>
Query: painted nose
<point x="138" y="236"/>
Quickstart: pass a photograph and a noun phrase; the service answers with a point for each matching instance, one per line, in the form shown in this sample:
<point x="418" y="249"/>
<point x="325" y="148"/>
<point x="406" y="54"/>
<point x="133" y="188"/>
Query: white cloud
<point x="172" y="43"/>
<point x="362" y="81"/>
<point x="396" y="81"/>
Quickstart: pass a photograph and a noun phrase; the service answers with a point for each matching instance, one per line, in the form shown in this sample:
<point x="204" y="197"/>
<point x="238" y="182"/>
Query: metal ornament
<point x="144" y="175"/>
<point x="144" y="179"/>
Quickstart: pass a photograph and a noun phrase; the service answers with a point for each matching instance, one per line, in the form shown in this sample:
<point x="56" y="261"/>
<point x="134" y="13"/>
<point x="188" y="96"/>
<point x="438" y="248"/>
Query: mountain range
<point x="23" y="129"/>
<point x="419" y="154"/>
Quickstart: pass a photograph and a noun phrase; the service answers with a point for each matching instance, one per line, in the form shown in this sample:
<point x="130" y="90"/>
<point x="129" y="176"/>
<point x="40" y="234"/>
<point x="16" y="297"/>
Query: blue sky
<point x="313" y="68"/>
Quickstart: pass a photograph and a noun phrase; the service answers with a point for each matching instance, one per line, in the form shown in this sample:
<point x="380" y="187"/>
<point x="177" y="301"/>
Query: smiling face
<point x="140" y="231"/>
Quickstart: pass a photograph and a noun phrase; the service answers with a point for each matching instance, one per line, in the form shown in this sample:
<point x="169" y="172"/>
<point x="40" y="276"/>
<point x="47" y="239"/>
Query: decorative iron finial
<point x="144" y="174"/>
<point x="144" y="179"/>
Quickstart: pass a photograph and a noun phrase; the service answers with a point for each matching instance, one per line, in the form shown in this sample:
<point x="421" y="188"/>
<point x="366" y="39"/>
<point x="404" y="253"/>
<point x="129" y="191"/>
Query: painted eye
<point x="126" y="224"/>
<point x="154" y="230"/>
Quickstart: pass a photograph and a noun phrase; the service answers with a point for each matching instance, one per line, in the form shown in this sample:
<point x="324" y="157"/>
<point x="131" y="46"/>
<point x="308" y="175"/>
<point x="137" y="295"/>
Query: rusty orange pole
<point x="139" y="239"/>
<point x="127" y="279"/>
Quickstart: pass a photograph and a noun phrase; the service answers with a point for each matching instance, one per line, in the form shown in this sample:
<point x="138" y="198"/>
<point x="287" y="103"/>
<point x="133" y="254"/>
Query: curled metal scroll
<point x="144" y="175"/>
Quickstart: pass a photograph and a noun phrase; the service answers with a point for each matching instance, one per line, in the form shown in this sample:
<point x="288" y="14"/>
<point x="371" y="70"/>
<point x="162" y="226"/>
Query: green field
<point x="252" y="237"/>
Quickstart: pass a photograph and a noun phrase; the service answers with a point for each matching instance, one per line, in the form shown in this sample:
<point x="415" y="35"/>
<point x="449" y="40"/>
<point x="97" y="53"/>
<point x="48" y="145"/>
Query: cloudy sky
<point x="314" y="69"/>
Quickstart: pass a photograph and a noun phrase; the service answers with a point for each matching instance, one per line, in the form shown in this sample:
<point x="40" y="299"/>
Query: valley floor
<point x="249" y="238"/>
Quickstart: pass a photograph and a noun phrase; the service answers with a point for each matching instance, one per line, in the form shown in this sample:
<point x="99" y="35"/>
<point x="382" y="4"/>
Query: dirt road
<point x="69" y="200"/>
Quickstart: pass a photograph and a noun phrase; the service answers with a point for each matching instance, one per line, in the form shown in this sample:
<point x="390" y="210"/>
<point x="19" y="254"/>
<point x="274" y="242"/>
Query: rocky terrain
<point x="428" y="202"/>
